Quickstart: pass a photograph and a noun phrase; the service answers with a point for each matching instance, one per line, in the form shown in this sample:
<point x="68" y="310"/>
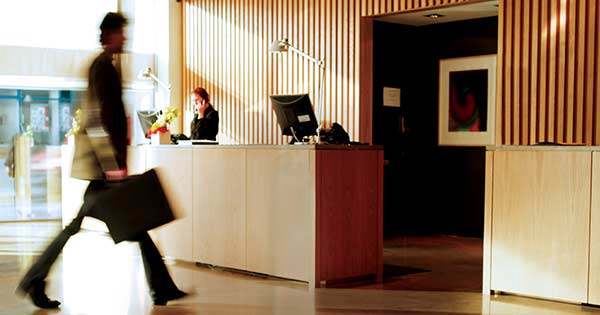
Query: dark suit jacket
<point x="205" y="128"/>
<point x="101" y="144"/>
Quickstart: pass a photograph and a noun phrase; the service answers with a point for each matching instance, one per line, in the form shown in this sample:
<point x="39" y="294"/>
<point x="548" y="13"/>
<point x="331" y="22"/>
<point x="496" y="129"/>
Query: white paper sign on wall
<point x="391" y="97"/>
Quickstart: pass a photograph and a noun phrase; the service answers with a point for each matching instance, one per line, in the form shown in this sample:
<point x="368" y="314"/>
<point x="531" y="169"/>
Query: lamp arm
<point x="318" y="62"/>
<point x="320" y="107"/>
<point x="166" y="86"/>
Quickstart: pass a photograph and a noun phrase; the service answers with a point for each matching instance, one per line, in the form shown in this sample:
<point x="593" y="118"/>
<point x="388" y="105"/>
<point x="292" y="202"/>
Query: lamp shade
<point x="279" y="46"/>
<point x="144" y="73"/>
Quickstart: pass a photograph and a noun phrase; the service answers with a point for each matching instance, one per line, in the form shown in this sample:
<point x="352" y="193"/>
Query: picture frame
<point x="467" y="101"/>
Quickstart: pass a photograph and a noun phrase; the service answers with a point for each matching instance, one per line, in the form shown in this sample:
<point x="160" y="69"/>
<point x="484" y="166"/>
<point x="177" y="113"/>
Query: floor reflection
<point x="95" y="276"/>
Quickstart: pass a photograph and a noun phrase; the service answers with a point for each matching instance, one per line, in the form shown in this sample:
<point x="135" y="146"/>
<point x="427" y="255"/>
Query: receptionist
<point x="205" y="124"/>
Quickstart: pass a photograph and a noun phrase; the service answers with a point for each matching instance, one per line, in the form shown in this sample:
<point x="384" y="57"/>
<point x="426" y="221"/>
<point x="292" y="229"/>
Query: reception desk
<point x="306" y="212"/>
<point x="542" y="222"/>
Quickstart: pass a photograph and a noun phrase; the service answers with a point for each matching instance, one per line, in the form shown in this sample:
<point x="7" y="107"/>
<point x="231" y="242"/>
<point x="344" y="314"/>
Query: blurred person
<point x="205" y="124"/>
<point x="100" y="157"/>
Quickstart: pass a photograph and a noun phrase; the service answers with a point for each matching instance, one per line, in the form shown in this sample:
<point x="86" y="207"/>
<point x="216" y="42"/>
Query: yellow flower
<point x="164" y="120"/>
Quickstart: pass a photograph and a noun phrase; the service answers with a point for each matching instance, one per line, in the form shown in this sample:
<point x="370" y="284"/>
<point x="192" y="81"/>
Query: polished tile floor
<point x="94" y="276"/>
<point x="432" y="263"/>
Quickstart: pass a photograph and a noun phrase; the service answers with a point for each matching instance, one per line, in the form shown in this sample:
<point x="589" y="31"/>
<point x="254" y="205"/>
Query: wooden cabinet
<point x="174" y="168"/>
<point x="348" y="215"/>
<point x="540" y="226"/>
<point x="281" y="212"/>
<point x="219" y="207"/>
<point x="594" y="276"/>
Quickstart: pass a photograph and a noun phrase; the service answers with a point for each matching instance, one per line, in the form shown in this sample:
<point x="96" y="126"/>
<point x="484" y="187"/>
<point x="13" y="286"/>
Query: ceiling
<point x="450" y="14"/>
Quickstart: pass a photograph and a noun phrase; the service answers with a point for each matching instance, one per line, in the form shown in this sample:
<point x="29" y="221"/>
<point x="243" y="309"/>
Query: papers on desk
<point x="196" y="142"/>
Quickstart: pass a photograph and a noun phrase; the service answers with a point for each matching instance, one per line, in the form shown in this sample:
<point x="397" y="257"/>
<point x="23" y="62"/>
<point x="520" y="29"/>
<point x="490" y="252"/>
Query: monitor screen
<point x="295" y="111"/>
<point x="147" y="118"/>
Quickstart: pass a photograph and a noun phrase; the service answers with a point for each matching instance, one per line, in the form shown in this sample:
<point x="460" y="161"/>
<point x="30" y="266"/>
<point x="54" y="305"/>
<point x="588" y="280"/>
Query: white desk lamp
<point x="283" y="46"/>
<point x="146" y="73"/>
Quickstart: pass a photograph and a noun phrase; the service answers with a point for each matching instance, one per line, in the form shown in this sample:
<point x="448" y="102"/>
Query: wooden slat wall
<point x="226" y="51"/>
<point x="549" y="68"/>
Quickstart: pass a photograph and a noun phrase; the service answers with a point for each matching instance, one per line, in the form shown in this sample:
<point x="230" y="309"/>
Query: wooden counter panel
<point x="349" y="222"/>
<point x="175" y="239"/>
<point x="280" y="219"/>
<point x="594" y="290"/>
<point x="540" y="224"/>
<point x="219" y="198"/>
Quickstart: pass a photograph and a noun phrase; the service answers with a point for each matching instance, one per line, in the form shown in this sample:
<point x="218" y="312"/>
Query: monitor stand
<point x="295" y="140"/>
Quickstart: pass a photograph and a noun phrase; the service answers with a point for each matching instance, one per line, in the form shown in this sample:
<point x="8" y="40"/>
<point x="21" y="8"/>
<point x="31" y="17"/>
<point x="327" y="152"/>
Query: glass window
<point x="33" y="125"/>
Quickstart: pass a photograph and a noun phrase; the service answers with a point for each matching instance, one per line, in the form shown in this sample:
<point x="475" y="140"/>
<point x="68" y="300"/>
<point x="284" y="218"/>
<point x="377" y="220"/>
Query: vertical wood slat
<point x="570" y="73"/>
<point x="543" y="78"/>
<point x="596" y="88"/>
<point x="579" y="35"/>
<point x="508" y="72"/>
<point x="561" y="63"/>
<point x="591" y="68"/>
<point x="534" y="16"/>
<point x="524" y="75"/>
<point x="500" y="64"/>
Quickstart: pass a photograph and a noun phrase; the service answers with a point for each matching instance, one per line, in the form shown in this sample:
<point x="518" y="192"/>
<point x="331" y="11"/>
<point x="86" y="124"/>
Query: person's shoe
<point x="174" y="295"/>
<point x="37" y="294"/>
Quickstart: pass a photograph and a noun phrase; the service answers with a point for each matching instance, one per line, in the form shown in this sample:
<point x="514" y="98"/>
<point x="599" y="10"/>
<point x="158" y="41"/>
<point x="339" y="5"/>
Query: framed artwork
<point x="467" y="101"/>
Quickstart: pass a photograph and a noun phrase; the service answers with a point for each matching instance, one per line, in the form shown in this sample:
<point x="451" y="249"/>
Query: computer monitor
<point x="147" y="118"/>
<point x="295" y="115"/>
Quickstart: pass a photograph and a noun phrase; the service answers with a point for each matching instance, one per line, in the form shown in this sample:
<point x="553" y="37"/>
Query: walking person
<point x="100" y="156"/>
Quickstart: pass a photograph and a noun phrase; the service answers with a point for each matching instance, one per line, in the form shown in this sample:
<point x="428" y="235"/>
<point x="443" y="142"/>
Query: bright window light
<point x="63" y="24"/>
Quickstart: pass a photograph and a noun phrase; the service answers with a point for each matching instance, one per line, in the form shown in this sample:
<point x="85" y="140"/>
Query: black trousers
<point x="157" y="275"/>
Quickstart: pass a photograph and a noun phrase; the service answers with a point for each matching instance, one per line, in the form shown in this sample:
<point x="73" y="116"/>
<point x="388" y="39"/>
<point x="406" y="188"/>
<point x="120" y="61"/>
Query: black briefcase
<point x="133" y="206"/>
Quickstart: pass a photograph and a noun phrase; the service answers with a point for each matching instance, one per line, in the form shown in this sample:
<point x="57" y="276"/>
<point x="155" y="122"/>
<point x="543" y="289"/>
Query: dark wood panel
<point x="349" y="185"/>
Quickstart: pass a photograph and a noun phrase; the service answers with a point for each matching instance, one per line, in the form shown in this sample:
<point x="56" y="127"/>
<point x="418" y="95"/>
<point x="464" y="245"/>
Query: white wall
<point x="62" y="24"/>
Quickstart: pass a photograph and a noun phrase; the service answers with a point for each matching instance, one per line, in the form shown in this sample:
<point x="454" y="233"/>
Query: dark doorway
<point x="434" y="196"/>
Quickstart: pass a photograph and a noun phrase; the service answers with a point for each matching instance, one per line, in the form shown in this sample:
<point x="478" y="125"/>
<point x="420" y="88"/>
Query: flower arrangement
<point x="162" y="123"/>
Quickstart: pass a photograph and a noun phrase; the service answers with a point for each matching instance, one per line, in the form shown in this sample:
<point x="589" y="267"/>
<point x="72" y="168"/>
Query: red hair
<point x="202" y="93"/>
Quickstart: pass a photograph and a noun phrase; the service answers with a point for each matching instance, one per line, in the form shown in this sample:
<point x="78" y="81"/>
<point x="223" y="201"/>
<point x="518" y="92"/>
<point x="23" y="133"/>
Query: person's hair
<point x="202" y="93"/>
<point x="112" y="21"/>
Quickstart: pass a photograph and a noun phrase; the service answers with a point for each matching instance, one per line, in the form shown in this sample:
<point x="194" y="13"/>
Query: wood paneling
<point x="548" y="65"/>
<point x="487" y="223"/>
<point x="225" y="49"/>
<point x="219" y="201"/>
<point x="548" y="72"/>
<point x="594" y="268"/>
<point x="349" y="216"/>
<point x="540" y="223"/>
<point x="173" y="167"/>
<point x="280" y="217"/>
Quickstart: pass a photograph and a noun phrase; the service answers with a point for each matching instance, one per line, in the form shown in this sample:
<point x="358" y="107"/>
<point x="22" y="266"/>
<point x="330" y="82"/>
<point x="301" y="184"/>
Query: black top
<point x="104" y="86"/>
<point x="205" y="128"/>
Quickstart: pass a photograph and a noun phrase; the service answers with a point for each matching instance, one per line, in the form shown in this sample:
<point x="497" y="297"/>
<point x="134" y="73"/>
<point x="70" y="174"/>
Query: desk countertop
<point x="265" y="147"/>
<point x="569" y="148"/>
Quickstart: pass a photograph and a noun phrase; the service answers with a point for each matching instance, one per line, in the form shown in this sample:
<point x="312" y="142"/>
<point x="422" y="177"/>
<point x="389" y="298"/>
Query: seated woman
<point x="205" y="124"/>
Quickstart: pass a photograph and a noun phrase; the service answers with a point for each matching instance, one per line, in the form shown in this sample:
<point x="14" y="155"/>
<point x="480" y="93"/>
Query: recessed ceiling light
<point x="434" y="16"/>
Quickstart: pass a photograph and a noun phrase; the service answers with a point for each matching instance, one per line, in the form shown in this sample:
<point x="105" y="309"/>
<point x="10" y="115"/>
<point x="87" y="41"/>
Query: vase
<point x="160" y="138"/>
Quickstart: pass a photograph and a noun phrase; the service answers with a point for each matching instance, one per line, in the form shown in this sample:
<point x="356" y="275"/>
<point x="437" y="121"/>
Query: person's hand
<point x="202" y="109"/>
<point x="116" y="174"/>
